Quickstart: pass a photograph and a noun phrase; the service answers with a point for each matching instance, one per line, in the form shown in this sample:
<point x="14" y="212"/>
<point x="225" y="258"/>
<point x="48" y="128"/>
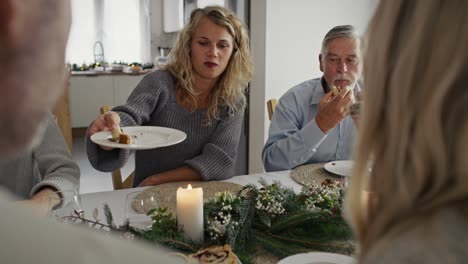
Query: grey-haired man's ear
<point x="320" y="62"/>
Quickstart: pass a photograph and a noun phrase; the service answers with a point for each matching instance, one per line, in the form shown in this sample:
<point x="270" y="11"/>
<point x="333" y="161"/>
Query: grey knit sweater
<point x="49" y="164"/>
<point x="211" y="150"/>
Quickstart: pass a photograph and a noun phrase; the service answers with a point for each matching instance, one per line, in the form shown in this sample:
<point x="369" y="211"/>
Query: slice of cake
<point x="125" y="139"/>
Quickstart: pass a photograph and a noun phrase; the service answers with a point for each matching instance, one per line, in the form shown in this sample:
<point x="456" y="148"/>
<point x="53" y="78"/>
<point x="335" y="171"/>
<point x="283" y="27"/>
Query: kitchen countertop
<point x="100" y="73"/>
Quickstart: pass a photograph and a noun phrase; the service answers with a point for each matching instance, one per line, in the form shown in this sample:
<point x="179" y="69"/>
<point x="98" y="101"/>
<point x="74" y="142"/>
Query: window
<point x="122" y="26"/>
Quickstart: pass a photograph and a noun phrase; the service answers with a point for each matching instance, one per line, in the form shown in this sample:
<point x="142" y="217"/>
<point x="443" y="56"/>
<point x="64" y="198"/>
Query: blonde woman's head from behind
<point x="237" y="72"/>
<point x="414" y="126"/>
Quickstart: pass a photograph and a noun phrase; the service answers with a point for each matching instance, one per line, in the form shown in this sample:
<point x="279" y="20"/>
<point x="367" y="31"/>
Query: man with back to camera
<point x="310" y="124"/>
<point x="33" y="36"/>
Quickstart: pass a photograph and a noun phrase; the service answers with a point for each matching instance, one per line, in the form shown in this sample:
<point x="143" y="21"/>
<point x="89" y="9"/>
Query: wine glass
<point x="137" y="204"/>
<point x="65" y="206"/>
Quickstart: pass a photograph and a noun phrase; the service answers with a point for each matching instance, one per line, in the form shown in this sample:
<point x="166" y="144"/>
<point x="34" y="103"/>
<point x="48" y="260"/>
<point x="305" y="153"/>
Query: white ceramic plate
<point x="143" y="137"/>
<point x="340" y="167"/>
<point x="317" y="258"/>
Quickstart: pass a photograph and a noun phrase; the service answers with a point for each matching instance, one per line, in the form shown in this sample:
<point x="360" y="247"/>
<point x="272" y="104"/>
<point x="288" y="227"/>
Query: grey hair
<point x="343" y="31"/>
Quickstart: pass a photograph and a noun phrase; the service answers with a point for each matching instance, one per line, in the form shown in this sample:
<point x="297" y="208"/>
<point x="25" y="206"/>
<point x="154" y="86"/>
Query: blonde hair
<point x="414" y="126"/>
<point x="233" y="81"/>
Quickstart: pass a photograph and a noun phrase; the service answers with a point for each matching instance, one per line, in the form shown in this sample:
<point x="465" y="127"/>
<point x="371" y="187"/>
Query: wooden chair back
<point x="271" y="105"/>
<point x="119" y="184"/>
<point x="117" y="175"/>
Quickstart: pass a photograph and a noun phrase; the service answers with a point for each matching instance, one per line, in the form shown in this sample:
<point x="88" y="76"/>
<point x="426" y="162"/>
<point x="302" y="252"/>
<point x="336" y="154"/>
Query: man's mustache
<point x="343" y="77"/>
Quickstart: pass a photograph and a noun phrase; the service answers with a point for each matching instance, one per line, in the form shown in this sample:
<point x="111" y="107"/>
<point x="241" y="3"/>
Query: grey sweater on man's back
<point x="48" y="164"/>
<point x="209" y="149"/>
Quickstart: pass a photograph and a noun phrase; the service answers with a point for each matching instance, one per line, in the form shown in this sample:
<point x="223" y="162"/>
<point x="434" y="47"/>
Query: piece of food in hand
<point x="115" y="134"/>
<point x="104" y="109"/>
<point x="125" y="139"/>
<point x="335" y="90"/>
<point x="214" y="254"/>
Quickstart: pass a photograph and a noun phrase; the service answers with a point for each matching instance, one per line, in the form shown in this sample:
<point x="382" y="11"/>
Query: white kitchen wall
<point x="286" y="39"/>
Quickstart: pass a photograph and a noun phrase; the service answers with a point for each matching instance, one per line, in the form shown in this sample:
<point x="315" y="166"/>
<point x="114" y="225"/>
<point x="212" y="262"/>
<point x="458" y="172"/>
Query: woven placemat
<point x="312" y="173"/>
<point x="166" y="193"/>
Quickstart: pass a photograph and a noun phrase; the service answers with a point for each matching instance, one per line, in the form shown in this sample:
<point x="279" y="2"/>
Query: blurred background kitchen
<point x="113" y="43"/>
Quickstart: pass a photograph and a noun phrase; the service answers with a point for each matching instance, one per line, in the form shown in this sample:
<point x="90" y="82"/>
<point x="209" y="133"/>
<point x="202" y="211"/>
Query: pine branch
<point x="93" y="223"/>
<point x="245" y="256"/>
<point x="302" y="242"/>
<point x="291" y="203"/>
<point x="290" y="221"/>
<point x="336" y="246"/>
<point x="276" y="246"/>
<point x="264" y="218"/>
<point x="178" y="244"/>
<point x="331" y="228"/>
<point x="246" y="212"/>
<point x="108" y="214"/>
<point x="263" y="182"/>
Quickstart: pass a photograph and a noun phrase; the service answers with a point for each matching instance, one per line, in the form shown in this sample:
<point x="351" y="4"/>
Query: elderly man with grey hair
<point x="311" y="124"/>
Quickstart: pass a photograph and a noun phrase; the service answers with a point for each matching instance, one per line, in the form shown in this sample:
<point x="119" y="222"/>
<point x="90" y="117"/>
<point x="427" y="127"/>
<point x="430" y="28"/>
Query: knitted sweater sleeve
<point x="136" y="112"/>
<point x="218" y="156"/>
<point x="56" y="166"/>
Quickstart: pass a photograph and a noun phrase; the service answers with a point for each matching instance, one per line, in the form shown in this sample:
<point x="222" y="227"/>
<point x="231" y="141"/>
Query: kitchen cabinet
<point x="123" y="86"/>
<point x="88" y="94"/>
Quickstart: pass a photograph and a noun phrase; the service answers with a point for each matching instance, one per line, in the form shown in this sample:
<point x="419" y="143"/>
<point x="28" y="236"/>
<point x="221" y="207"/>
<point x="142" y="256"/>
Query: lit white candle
<point x="190" y="212"/>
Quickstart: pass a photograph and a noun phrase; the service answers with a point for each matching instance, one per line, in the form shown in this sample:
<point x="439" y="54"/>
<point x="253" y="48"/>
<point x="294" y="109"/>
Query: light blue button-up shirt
<point x="295" y="139"/>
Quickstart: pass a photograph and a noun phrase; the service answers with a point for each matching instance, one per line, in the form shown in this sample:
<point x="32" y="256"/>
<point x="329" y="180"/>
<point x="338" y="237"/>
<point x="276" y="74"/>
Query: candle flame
<point x="189" y="187"/>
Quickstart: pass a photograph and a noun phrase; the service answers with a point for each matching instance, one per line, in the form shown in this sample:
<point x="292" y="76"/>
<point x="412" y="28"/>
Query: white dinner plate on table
<point x="340" y="167"/>
<point x="318" y="258"/>
<point x="143" y="137"/>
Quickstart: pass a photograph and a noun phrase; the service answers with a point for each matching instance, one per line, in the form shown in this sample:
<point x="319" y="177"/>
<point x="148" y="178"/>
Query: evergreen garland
<point x="272" y="218"/>
<point x="276" y="219"/>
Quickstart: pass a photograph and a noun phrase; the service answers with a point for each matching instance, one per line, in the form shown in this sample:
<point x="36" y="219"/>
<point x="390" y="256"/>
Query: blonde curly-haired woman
<point x="200" y="92"/>
<point x="414" y="129"/>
